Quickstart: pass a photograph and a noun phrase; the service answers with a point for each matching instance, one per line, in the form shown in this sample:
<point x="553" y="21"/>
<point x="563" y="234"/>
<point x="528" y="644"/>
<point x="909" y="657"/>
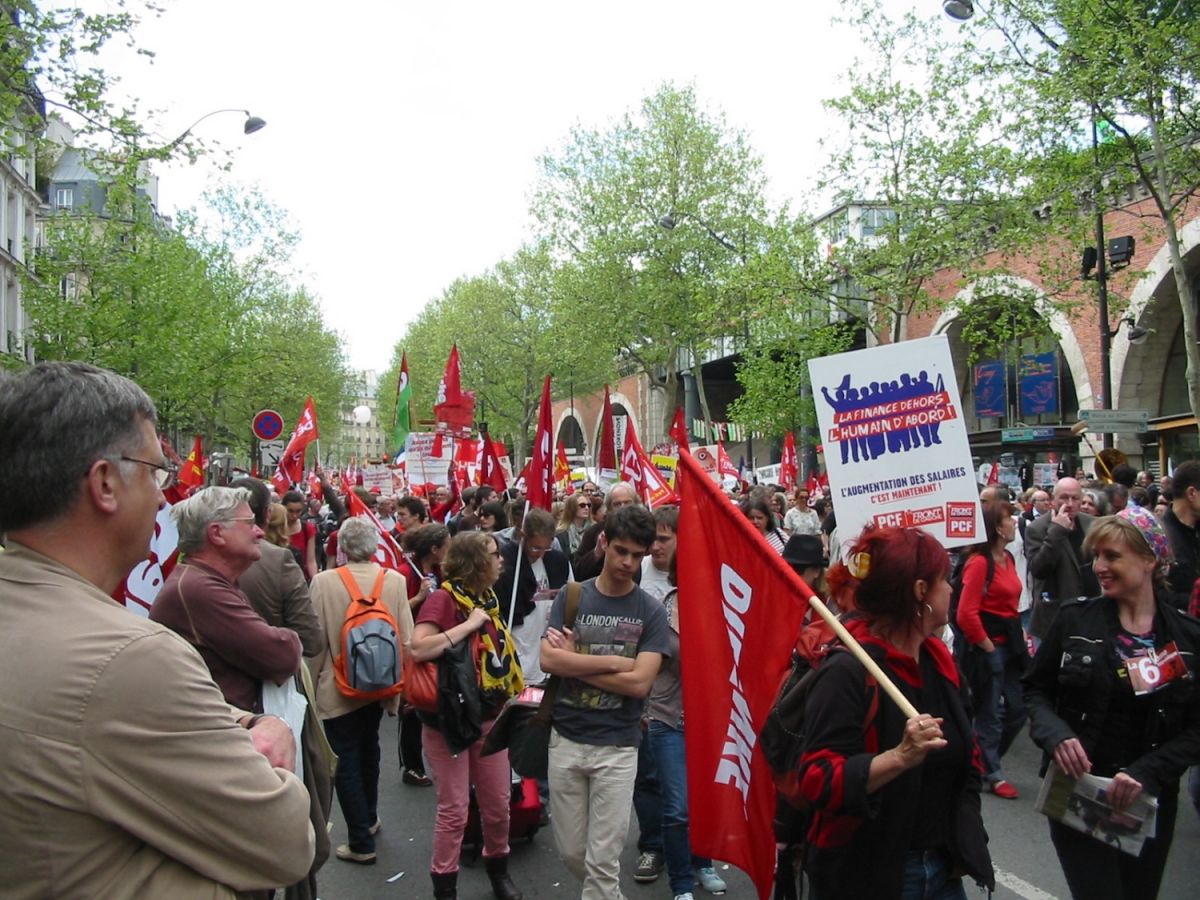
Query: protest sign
<point x="377" y="476"/>
<point x="422" y="464"/>
<point x="895" y="441"/>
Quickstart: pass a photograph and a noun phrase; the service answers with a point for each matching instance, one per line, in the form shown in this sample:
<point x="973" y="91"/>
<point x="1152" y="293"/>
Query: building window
<point x="64" y="198"/>
<point x="876" y="220"/>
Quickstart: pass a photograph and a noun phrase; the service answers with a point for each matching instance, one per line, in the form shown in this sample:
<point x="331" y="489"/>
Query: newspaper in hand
<point x="1083" y="804"/>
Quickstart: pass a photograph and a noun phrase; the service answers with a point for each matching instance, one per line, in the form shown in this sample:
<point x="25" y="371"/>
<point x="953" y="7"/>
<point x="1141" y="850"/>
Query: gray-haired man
<point x="122" y="770"/>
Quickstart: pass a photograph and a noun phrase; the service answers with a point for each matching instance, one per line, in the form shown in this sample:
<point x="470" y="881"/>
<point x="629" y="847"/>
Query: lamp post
<point x="252" y="124"/>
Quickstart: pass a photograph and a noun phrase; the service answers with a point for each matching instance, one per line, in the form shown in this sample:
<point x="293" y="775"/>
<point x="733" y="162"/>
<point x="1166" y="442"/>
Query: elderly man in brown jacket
<point x="123" y="772"/>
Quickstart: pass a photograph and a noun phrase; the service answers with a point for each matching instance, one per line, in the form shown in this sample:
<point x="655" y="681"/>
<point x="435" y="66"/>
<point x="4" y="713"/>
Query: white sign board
<point x="421" y="466"/>
<point x="377" y="476"/>
<point x="896" y="445"/>
<point x="270" y="452"/>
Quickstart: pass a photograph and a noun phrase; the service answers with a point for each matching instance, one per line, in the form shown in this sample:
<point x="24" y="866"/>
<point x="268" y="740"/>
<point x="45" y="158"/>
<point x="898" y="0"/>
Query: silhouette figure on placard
<point x="873" y="442"/>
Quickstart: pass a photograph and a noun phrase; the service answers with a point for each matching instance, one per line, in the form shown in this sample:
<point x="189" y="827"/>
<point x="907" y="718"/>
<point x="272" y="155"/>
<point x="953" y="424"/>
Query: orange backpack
<point x="369" y="666"/>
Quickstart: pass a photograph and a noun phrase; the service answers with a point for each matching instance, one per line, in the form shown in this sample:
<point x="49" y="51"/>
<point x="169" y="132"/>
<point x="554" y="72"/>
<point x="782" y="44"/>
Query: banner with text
<point x="1036" y="376"/>
<point x="421" y="464"/>
<point x="896" y="446"/>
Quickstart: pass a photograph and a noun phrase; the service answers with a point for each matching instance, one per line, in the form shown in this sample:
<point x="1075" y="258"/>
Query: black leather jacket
<point x="1073" y="675"/>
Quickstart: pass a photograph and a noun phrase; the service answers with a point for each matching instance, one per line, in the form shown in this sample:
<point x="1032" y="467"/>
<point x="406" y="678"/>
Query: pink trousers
<point x="452" y="778"/>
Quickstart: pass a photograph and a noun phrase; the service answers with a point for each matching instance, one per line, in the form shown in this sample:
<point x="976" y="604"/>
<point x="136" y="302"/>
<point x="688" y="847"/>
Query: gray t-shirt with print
<point x="613" y="626"/>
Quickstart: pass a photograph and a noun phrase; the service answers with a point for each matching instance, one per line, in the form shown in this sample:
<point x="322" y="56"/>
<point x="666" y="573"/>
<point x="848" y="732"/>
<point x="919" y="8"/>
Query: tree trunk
<point x="698" y="374"/>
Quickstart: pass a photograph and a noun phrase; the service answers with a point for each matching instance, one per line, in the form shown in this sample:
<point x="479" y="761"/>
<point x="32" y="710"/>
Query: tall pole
<point x="1102" y="288"/>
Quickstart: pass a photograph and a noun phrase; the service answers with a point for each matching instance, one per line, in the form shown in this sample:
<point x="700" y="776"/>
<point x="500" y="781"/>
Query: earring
<point x="930" y="608"/>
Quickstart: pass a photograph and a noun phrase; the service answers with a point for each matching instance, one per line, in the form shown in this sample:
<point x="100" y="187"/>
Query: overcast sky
<point x="403" y="136"/>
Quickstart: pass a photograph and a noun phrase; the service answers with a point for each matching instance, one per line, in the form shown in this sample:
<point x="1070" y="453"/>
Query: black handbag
<point x="524" y="730"/>
<point x="460" y="704"/>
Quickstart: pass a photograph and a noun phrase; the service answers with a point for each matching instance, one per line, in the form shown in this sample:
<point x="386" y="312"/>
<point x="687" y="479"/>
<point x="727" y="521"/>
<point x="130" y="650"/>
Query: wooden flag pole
<point x="863" y="657"/>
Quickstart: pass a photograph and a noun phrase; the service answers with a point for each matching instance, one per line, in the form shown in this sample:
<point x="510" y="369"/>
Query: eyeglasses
<point x="164" y="473"/>
<point x="583" y="506"/>
<point x="234" y="519"/>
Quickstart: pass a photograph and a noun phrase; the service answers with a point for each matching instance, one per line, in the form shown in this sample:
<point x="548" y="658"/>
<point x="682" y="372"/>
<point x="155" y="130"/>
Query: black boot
<point x="502" y="885"/>
<point x="445" y="885"/>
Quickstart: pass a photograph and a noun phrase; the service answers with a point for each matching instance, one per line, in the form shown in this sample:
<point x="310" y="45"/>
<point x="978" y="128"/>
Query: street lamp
<point x="253" y="124"/>
<point x="959" y="10"/>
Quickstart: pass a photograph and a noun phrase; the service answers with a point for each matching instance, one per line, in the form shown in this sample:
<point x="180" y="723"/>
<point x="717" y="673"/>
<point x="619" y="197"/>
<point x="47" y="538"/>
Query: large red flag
<point x="607" y="460"/>
<point x="679" y="432"/>
<point x="789" y="471"/>
<point x="490" y="471"/>
<point x="739" y="594"/>
<point x="454" y="407"/>
<point x="539" y="484"/>
<point x="387" y="552"/>
<point x="291" y="464"/>
<point x="642" y="474"/>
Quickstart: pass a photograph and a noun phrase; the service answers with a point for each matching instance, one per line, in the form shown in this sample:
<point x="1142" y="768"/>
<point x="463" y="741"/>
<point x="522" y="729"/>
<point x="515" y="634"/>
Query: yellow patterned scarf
<point x="499" y="671"/>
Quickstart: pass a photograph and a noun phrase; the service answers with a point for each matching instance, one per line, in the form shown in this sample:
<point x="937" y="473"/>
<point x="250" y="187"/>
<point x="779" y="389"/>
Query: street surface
<point x="1026" y="866"/>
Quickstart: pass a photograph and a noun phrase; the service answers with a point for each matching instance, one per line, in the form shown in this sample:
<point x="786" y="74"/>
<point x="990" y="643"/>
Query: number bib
<point x="1156" y="670"/>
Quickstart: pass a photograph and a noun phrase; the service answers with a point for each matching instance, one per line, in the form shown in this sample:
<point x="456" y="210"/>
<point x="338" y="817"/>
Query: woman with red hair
<point x="895" y="799"/>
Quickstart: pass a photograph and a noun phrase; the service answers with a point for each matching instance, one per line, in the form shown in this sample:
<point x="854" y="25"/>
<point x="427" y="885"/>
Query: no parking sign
<point x="267" y="425"/>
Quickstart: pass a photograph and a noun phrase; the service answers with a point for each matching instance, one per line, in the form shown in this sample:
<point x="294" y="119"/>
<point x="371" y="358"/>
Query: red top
<point x="1002" y="598"/>
<point x="440" y="609"/>
<point x="300" y="539"/>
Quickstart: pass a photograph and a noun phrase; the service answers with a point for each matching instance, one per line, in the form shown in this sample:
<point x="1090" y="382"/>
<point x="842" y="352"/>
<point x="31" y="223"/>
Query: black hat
<point x="803" y="551"/>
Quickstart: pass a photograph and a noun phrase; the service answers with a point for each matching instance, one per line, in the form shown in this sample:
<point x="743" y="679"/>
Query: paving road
<point x="1024" y="859"/>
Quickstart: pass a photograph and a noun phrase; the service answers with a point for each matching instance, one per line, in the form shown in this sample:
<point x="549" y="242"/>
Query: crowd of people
<point x="191" y="753"/>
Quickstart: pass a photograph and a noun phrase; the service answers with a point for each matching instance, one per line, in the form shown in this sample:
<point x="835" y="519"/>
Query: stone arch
<point x="571" y="430"/>
<point x="1154" y="304"/>
<point x="629" y="407"/>
<point x="1059" y="324"/>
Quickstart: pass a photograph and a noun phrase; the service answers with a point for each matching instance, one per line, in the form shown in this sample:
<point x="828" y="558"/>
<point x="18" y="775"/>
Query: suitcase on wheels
<point x="524" y="818"/>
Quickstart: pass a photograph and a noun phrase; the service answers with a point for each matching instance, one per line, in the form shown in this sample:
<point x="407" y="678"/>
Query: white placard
<point x="377" y="476"/>
<point x="421" y="465"/>
<point x="895" y="442"/>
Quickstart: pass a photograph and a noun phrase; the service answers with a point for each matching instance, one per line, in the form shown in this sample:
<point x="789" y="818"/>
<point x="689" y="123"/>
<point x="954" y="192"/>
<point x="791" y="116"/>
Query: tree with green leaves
<point x="659" y="213"/>
<point x="211" y="331"/>
<point x="1131" y="68"/>
<point x="512" y="329"/>
<point x="925" y="156"/>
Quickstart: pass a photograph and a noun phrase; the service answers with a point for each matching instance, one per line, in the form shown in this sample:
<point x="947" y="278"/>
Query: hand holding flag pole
<point x="512" y="601"/>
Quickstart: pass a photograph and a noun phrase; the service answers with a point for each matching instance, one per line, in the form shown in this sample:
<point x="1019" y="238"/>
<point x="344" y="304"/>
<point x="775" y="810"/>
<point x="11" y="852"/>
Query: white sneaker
<point x="686" y="895"/>
<point x="710" y="880"/>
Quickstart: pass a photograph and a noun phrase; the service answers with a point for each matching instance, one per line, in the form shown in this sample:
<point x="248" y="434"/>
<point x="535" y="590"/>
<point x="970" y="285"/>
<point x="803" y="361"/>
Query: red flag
<point x="314" y="487"/>
<point x="454" y="406"/>
<point x="679" y="432"/>
<point x="789" y="470"/>
<point x="539" y="484"/>
<point x="191" y="475"/>
<point x="169" y="452"/>
<point x="562" y="468"/>
<point x="387" y="552"/>
<point x="291" y="464"/>
<point x="741" y="594"/>
<point x="724" y="465"/>
<point x="642" y="474"/>
<point x="490" y="471"/>
<point x="607" y="461"/>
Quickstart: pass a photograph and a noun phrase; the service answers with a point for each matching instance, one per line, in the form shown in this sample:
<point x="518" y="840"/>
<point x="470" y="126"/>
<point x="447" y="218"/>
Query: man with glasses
<point x="1058" y="568"/>
<point x="543" y="569"/>
<point x="113" y="738"/>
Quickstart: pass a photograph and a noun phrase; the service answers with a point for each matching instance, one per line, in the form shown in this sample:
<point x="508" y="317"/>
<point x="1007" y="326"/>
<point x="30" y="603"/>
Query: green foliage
<point x="48" y="55"/>
<point x="1133" y="68"/>
<point x="512" y="330"/>
<point x="660" y="213"/>
<point x="926" y="152"/>
<point x="212" y="331"/>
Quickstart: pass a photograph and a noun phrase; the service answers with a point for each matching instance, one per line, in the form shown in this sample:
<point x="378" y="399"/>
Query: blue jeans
<point x="1001" y="712"/>
<point x="927" y="877"/>
<point x="647" y="800"/>
<point x="672" y="782"/>
<point x="354" y="737"/>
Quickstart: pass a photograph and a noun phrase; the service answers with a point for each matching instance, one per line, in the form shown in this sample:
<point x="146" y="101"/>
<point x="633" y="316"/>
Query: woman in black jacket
<point x="1086" y="715"/>
<point x="896" y="800"/>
